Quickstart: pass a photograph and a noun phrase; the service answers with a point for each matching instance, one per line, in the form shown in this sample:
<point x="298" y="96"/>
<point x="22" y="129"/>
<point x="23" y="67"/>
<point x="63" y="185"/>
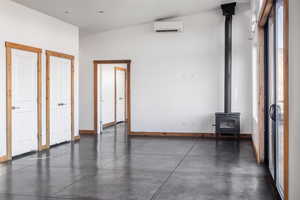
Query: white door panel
<point x="107" y="94"/>
<point x="99" y="100"/>
<point x="24" y="102"/>
<point x="120" y="95"/>
<point x="60" y="100"/>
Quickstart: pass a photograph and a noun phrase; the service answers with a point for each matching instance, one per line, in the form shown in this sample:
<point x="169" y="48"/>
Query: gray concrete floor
<point x="115" y="167"/>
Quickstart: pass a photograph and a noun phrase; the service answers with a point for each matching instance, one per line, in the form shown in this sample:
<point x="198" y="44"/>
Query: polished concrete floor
<point x="115" y="167"/>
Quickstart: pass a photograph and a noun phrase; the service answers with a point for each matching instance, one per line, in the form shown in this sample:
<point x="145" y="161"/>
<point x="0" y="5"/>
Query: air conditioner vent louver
<point x="170" y="26"/>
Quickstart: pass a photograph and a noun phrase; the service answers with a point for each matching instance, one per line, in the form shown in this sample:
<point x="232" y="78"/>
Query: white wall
<point x="25" y="26"/>
<point x="176" y="78"/>
<point x="255" y="90"/>
<point x="294" y="99"/>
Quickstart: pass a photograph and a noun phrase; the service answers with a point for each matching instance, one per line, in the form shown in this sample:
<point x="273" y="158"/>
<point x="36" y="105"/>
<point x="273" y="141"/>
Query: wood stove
<point x="228" y="122"/>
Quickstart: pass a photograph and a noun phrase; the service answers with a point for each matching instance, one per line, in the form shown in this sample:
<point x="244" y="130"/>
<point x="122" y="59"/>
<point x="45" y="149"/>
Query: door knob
<point x="274" y="110"/>
<point x="15" y="108"/>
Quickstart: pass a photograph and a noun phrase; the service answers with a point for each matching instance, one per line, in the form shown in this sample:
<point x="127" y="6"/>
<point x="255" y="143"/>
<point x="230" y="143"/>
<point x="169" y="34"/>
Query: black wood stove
<point x="228" y="122"/>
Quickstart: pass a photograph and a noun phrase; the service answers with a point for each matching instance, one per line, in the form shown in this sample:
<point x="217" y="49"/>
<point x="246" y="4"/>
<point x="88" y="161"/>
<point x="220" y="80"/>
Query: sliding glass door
<point x="275" y="68"/>
<point x="279" y="65"/>
<point x="271" y="95"/>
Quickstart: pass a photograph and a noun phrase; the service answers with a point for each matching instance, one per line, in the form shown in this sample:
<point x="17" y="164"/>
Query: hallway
<point x="112" y="167"/>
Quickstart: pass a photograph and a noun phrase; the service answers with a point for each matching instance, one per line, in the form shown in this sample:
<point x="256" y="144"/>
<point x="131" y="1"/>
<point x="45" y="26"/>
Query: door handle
<point x="274" y="111"/>
<point x="61" y="104"/>
<point x="15" y="108"/>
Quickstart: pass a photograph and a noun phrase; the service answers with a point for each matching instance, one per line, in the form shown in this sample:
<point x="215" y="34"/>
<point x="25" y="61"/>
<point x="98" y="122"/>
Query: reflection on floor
<point x="115" y="167"/>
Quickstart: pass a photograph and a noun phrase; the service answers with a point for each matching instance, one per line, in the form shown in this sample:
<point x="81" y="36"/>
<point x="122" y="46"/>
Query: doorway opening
<point x="111" y="94"/>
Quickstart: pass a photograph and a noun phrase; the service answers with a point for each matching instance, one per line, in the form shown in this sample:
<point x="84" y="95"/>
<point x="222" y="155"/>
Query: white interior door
<point x="24" y="102"/>
<point x="60" y="100"/>
<point x="107" y="94"/>
<point x="99" y="100"/>
<point x="120" y="95"/>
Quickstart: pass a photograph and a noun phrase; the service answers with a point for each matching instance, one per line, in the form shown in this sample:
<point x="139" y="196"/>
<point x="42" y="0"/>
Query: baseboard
<point x="109" y="124"/>
<point x="178" y="134"/>
<point x="87" y="132"/>
<point x="3" y="159"/>
<point x="255" y="152"/>
<point x="76" y="138"/>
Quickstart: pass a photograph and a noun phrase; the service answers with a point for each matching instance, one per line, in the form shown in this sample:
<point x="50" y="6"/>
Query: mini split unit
<point x="168" y="26"/>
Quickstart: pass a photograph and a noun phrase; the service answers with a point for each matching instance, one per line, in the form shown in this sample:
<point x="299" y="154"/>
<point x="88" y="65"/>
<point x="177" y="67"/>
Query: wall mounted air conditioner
<point x="168" y="26"/>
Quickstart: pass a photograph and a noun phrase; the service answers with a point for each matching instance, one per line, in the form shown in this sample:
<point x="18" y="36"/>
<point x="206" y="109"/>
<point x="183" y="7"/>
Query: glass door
<point x="279" y="65"/>
<point x="275" y="31"/>
<point x="272" y="93"/>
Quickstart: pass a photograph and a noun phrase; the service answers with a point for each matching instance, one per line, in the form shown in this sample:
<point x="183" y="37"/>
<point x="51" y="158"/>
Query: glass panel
<point x="271" y="84"/>
<point x="279" y="96"/>
<point x="228" y="124"/>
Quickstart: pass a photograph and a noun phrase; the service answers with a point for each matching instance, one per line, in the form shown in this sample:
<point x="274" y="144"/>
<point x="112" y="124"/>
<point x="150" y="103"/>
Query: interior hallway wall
<point x="26" y="26"/>
<point x="177" y="79"/>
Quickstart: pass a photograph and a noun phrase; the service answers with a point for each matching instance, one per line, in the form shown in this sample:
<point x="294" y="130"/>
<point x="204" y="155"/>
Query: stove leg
<point x="237" y="136"/>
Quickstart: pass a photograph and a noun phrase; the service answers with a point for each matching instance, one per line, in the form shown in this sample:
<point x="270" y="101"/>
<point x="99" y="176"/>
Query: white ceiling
<point x="118" y="13"/>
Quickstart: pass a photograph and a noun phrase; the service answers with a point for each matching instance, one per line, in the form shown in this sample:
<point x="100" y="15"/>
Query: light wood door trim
<point x="9" y="87"/>
<point x="265" y="12"/>
<point x="48" y="99"/>
<point x="22" y="47"/>
<point x="59" y="55"/>
<point x="125" y="95"/>
<point x="87" y="132"/>
<point x="40" y="148"/>
<point x="261" y="96"/>
<point x="96" y="96"/>
<point x="128" y="88"/>
<point x="8" y="103"/>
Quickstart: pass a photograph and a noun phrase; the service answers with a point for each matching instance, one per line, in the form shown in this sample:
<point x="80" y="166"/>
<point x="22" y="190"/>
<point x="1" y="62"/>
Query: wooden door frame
<point x="125" y="109"/>
<point x="48" y="94"/>
<point x="128" y="90"/>
<point x="263" y="17"/>
<point x="9" y="88"/>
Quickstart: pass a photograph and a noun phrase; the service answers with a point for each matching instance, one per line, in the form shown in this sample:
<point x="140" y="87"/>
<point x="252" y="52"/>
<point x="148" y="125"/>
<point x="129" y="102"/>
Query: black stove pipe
<point x="228" y="63"/>
<point x="228" y="12"/>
